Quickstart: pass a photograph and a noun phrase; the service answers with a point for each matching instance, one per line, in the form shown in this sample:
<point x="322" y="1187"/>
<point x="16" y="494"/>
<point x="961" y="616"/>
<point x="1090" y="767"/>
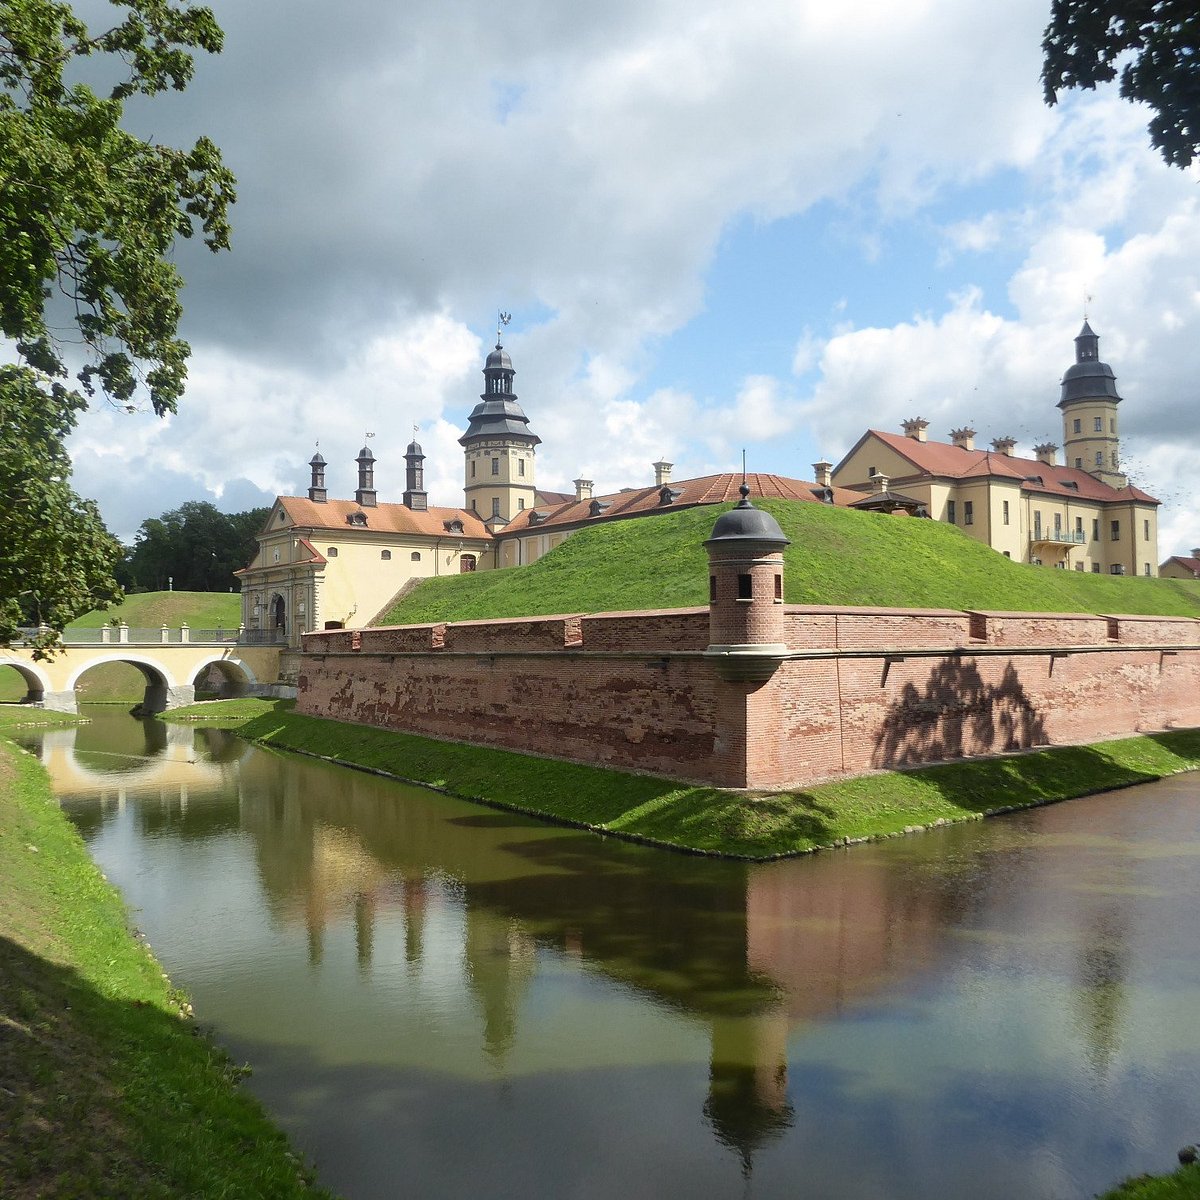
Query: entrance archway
<point x="278" y="613"/>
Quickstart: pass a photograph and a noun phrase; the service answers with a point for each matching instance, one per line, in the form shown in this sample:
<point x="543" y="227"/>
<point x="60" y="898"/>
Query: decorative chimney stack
<point x="1004" y="445"/>
<point x="415" y="496"/>
<point x="316" y="489"/>
<point x="1047" y="453"/>
<point x="583" y="489"/>
<point x="747" y="635"/>
<point x="823" y="473"/>
<point x="917" y="429"/>
<point x="662" y="473"/>
<point x="963" y="438"/>
<point x="365" y="496"/>
<point x="881" y="482"/>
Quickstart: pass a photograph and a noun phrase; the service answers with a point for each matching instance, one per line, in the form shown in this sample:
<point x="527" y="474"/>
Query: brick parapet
<point x="859" y="689"/>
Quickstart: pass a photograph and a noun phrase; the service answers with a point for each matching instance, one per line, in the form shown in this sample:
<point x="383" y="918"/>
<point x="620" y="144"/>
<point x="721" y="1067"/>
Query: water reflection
<point x="1013" y="995"/>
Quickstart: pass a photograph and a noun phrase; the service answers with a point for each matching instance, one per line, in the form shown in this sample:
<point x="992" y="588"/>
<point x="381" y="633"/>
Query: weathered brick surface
<point x="628" y="690"/>
<point x="653" y="632"/>
<point x="1171" y="631"/>
<point x="1043" y="629"/>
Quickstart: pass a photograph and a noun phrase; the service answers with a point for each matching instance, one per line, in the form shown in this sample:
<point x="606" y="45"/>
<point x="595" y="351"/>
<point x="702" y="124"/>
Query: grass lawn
<point x="1183" y="1184"/>
<point x="108" y="1089"/>
<point x="754" y="825"/>
<point x="836" y="557"/>
<point x="150" y="610"/>
<point x="226" y="713"/>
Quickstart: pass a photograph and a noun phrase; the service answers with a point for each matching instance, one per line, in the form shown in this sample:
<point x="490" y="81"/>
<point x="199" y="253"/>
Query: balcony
<point x="1058" y="537"/>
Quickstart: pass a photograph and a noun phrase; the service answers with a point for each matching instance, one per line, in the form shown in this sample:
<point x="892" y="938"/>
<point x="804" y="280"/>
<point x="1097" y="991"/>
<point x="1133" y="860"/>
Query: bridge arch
<point x="162" y="691"/>
<point x="36" y="680"/>
<point x="238" y="676"/>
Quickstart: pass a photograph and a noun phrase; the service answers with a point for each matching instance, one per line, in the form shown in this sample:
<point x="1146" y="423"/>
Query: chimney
<point x="583" y="489"/>
<point x="881" y="484"/>
<point x="316" y="489"/>
<point x="415" y="496"/>
<point x="823" y="473"/>
<point x="1004" y="445"/>
<point x="662" y="473"/>
<point x="1196" y="552"/>
<point x="916" y="429"/>
<point x="365" y="496"/>
<point x="963" y="438"/>
<point x="1046" y="453"/>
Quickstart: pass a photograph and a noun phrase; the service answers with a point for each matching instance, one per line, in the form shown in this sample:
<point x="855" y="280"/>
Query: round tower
<point x="1089" y="402"/>
<point x="498" y="447"/>
<point x="747" y="637"/>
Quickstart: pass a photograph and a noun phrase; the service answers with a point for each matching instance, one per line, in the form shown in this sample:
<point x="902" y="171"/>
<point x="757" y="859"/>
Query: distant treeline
<point x="193" y="548"/>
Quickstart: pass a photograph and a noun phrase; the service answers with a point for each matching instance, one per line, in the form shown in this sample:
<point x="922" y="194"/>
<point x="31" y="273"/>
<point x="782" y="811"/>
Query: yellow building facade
<point x="1081" y="514"/>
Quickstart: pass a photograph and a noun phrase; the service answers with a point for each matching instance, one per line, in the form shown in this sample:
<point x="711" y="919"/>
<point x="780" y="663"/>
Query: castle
<point x="325" y="563"/>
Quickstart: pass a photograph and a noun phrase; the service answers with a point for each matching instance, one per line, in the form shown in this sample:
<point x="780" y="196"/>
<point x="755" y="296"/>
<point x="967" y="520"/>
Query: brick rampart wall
<point x="862" y="689"/>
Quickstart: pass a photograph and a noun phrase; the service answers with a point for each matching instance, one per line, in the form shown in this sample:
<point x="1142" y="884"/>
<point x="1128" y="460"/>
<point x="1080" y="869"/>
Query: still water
<point x="438" y="1000"/>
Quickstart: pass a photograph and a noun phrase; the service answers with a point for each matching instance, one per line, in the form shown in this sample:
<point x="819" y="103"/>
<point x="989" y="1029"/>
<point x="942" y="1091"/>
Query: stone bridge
<point x="171" y="660"/>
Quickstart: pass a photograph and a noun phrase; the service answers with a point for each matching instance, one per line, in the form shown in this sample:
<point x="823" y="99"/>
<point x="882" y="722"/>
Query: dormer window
<point x="668" y="495"/>
<point x="357" y="518"/>
<point x="597" y="507"/>
<point x="454" y="525"/>
<point x="824" y="494"/>
<point x="538" y="518"/>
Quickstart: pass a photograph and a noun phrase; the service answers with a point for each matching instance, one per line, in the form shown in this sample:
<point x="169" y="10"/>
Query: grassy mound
<point x="836" y="557"/>
<point x="149" y="610"/>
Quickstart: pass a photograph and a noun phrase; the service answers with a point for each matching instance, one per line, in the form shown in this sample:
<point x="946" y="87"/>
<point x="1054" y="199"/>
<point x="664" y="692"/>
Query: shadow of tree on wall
<point x="958" y="715"/>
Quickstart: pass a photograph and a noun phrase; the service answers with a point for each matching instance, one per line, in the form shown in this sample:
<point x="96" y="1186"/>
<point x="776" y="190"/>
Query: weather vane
<point x="502" y="321"/>
<point x="370" y="435"/>
<point x="1086" y="301"/>
<point x="416" y="429"/>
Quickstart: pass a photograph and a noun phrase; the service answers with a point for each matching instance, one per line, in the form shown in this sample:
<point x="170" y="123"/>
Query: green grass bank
<point x="108" y="1089"/>
<point x="836" y="556"/>
<point x="708" y="820"/>
<point x="1183" y="1184"/>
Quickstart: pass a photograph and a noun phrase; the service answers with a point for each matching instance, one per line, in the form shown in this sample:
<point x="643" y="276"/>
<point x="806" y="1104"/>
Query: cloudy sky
<point x="717" y="226"/>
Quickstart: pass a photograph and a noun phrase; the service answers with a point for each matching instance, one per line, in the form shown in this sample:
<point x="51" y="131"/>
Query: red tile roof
<point x="1187" y="562"/>
<point x="955" y="462"/>
<point x="382" y="518"/>
<point x="708" y="489"/>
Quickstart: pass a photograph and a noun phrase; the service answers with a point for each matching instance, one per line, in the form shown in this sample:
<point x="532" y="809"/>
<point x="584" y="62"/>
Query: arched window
<point x="331" y="552"/>
<point x="466" y="564"/>
<point x="415" y="556"/>
<point x="386" y="555"/>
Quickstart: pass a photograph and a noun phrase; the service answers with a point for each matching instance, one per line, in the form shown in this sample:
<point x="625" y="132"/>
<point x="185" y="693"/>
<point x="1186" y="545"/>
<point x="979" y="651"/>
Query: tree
<point x="195" y="546"/>
<point x="1086" y="38"/>
<point x="89" y="215"/>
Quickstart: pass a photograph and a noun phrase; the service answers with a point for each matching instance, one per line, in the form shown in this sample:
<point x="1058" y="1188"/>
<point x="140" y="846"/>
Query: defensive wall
<point x="848" y="690"/>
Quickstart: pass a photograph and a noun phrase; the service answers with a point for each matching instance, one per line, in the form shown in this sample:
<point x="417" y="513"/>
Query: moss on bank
<point x="753" y="825"/>
<point x="109" y="1091"/>
<point x="226" y="713"/>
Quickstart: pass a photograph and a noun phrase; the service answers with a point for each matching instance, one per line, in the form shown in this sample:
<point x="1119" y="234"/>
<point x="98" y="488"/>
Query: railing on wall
<point x="1072" y="537"/>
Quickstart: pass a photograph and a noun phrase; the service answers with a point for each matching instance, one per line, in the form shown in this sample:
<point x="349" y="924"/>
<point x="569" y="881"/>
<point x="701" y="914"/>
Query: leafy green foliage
<point x="89" y="215"/>
<point x="836" y="556"/>
<point x="1158" y="42"/>
<point x="195" y="545"/>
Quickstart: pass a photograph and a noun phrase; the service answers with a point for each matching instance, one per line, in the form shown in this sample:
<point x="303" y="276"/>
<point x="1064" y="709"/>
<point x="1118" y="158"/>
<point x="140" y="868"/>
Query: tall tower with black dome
<point x="1089" y="402"/>
<point x="498" y="447"/>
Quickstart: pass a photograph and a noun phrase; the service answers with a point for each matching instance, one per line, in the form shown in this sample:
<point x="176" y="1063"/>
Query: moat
<point x="439" y="1000"/>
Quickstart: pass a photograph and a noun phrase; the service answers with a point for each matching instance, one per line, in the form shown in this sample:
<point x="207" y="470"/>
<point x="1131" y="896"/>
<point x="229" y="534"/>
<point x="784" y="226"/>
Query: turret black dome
<point x="747" y="523"/>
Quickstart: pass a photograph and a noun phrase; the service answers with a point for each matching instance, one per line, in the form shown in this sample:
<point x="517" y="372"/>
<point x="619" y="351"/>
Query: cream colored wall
<point x="514" y="490"/>
<point x="1174" y="570"/>
<point x="872" y="453"/>
<point x="1084" y="444"/>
